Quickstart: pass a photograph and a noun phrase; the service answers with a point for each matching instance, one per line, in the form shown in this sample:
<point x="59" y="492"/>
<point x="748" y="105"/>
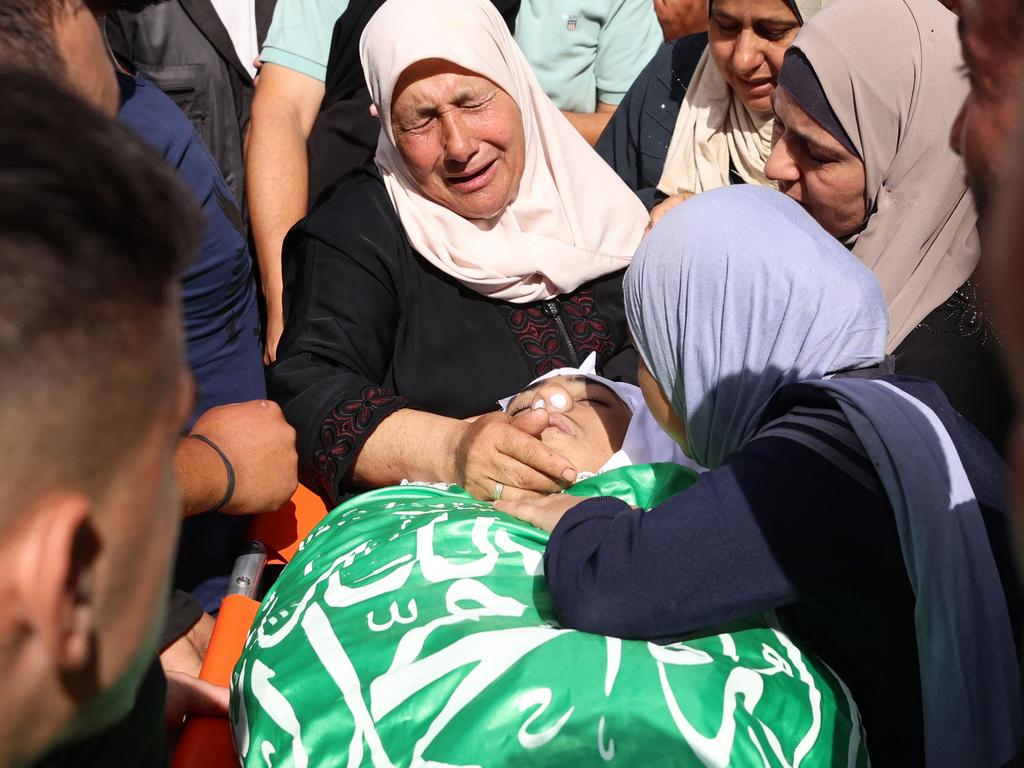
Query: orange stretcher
<point x="206" y="741"/>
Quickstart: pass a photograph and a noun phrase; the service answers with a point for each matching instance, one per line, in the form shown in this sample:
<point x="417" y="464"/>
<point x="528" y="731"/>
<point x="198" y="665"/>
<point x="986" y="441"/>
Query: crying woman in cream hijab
<point x="724" y="127"/>
<point x="700" y="116"/>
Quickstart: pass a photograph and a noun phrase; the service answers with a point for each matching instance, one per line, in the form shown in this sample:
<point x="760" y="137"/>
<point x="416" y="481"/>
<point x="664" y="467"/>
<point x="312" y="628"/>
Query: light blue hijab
<point x="738" y="292"/>
<point x="744" y="292"/>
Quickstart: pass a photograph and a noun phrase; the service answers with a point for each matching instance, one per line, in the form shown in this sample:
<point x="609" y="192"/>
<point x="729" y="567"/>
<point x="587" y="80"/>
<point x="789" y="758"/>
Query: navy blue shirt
<point x="636" y="140"/>
<point x="780" y="527"/>
<point x="222" y="329"/>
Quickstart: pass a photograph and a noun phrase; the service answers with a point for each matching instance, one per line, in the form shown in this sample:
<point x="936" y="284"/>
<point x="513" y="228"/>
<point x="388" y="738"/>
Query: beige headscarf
<point x="572" y="220"/>
<point x="714" y="127"/>
<point x="890" y="71"/>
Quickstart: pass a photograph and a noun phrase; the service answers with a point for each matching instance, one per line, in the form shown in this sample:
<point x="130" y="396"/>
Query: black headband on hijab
<point x="798" y="78"/>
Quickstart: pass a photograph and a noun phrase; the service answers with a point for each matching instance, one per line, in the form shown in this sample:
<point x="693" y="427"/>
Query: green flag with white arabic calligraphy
<point x="414" y="628"/>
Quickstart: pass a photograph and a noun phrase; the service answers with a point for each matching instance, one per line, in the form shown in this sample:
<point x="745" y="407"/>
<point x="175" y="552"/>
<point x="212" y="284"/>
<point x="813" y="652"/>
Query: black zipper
<point x="552" y="310"/>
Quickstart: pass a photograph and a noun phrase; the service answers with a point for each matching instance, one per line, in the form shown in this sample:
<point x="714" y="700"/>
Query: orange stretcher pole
<point x="206" y="741"/>
<point x="282" y="530"/>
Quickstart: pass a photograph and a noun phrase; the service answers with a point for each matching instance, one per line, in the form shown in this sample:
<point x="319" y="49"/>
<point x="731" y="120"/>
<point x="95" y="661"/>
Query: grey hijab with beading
<point x="890" y="70"/>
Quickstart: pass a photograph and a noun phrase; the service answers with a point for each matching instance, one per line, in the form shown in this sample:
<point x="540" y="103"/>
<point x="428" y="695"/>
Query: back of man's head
<point x="94" y="230"/>
<point x="62" y="39"/>
<point x="26" y="34"/>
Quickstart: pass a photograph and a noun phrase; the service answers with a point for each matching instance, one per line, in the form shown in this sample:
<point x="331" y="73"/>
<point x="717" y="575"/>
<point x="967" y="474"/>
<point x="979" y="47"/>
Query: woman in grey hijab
<point x="856" y="504"/>
<point x="867" y="96"/>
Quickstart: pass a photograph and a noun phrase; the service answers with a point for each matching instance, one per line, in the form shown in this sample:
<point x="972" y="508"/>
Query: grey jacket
<point x="184" y="48"/>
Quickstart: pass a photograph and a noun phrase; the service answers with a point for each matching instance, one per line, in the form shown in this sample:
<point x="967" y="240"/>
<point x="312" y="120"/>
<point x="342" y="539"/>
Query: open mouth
<point x="470" y="182"/>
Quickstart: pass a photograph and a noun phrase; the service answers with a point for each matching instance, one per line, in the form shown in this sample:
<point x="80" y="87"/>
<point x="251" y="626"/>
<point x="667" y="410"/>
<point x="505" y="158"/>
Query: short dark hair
<point x="27" y="35"/>
<point x="103" y="7"/>
<point x="94" y="231"/>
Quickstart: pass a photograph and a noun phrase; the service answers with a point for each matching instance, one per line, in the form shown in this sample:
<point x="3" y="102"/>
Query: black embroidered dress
<point x="371" y="328"/>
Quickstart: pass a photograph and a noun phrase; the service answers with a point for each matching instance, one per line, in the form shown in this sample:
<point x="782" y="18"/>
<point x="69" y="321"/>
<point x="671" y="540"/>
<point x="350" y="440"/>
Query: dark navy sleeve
<point x="220" y="313"/>
<point x="636" y="140"/>
<point x="771" y="526"/>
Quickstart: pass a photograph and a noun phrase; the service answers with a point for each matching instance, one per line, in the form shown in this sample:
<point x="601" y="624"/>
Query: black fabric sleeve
<point x="342" y="311"/>
<point x="621" y="143"/>
<point x="774" y="524"/>
<point x="183" y="613"/>
<point x="635" y="142"/>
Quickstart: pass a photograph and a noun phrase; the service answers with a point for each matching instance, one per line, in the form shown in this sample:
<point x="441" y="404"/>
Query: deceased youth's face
<point x="587" y="421"/>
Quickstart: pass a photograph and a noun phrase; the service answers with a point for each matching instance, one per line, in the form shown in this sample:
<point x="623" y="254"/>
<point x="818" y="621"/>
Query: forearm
<point x="657" y="575"/>
<point x="277" y="182"/>
<point x="284" y="109"/>
<point x="590" y="124"/>
<point x="201" y="475"/>
<point x="749" y="536"/>
<point x="409" y="445"/>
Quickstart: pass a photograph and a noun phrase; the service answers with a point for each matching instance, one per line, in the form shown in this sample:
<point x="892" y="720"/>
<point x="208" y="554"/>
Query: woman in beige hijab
<point x="866" y="99"/>
<point x="483" y="247"/>
<point x="700" y="116"/>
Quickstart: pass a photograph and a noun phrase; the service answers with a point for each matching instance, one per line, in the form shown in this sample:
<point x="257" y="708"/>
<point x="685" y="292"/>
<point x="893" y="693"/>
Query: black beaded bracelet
<point x="227" y="466"/>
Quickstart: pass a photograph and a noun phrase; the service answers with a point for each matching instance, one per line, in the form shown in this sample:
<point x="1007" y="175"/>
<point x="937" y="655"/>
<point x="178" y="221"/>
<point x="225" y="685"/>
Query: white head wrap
<point x="645" y="442"/>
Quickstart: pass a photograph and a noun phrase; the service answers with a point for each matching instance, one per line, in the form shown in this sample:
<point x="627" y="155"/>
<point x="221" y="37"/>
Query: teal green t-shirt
<point x="300" y="35"/>
<point x="585" y="51"/>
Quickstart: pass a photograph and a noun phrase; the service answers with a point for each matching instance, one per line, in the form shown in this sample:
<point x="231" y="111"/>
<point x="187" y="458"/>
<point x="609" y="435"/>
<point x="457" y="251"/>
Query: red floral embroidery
<point x="589" y="331"/>
<point x="538" y="339"/>
<point x="541" y="342"/>
<point x="344" y="430"/>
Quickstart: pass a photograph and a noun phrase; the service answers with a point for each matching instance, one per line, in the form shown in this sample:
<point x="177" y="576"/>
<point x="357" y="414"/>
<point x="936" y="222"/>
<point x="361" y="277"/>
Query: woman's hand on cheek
<point x="494" y="459"/>
<point x="543" y="513"/>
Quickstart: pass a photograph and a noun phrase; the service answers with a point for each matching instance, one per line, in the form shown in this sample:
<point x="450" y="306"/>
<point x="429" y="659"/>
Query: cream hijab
<point x="714" y="127"/>
<point x="890" y="71"/>
<point x="572" y="220"/>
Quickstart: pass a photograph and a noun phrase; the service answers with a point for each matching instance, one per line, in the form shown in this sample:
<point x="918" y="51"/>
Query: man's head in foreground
<point x="990" y="34"/>
<point x="64" y="39"/>
<point x="93" y="232"/>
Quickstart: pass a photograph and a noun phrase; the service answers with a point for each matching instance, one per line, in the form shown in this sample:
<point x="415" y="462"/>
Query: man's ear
<point x="54" y="577"/>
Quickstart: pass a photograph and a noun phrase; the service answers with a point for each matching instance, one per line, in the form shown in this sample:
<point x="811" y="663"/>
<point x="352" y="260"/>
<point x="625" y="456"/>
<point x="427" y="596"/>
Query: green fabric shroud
<point x="414" y="628"/>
